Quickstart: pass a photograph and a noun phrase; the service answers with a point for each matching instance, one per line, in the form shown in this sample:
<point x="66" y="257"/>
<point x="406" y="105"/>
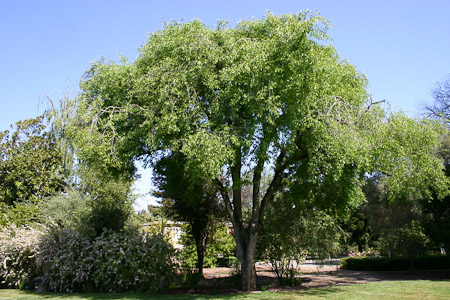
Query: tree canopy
<point x="30" y="167"/>
<point x="265" y="94"/>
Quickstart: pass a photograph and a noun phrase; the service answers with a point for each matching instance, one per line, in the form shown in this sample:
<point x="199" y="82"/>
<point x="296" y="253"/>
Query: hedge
<point x="395" y="264"/>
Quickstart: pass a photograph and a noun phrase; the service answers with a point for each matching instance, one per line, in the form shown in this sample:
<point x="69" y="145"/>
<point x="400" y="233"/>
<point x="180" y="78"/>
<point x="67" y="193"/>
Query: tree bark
<point x="246" y="235"/>
<point x="201" y="250"/>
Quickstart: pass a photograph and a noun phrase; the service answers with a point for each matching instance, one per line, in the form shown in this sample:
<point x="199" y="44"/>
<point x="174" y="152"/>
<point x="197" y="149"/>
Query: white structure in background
<point x="170" y="229"/>
<point x="173" y="230"/>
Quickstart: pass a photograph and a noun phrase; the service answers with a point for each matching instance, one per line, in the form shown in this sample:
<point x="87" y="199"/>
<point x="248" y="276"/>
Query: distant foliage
<point x="18" y="251"/>
<point x="112" y="262"/>
<point x="293" y="230"/>
<point x="408" y="241"/>
<point x="30" y="166"/>
<point x="220" y="252"/>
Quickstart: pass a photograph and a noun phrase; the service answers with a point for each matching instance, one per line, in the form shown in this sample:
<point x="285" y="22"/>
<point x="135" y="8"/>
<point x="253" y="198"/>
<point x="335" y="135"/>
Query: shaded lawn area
<point x="417" y="289"/>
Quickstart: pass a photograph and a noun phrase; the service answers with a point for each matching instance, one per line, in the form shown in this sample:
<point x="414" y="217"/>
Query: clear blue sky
<point x="403" y="47"/>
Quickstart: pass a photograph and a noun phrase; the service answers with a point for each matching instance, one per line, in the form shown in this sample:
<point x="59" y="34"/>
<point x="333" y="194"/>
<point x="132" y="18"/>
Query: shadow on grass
<point x="321" y="292"/>
<point x="113" y="296"/>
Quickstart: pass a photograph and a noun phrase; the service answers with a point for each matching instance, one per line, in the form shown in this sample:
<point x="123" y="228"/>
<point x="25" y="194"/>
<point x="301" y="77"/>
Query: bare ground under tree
<point x="220" y="280"/>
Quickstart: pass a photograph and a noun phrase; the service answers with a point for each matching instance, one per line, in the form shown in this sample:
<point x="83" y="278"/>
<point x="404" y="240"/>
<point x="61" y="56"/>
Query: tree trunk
<point x="200" y="260"/>
<point x="248" y="281"/>
<point x="200" y="245"/>
<point x="246" y="234"/>
<point x="246" y="256"/>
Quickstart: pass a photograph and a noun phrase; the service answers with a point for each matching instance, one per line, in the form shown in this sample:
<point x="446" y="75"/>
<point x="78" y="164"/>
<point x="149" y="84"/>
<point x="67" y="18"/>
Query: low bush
<point x="395" y="264"/>
<point x="112" y="262"/>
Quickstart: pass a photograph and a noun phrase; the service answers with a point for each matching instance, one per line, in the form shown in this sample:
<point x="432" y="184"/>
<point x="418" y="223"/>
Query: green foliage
<point x="437" y="210"/>
<point x="292" y="230"/>
<point x="106" y="208"/>
<point x="187" y="197"/>
<point x="109" y="200"/>
<point x="360" y="232"/>
<point x="409" y="240"/>
<point x="20" y="214"/>
<point x="219" y="253"/>
<point x="399" y="224"/>
<point x="68" y="210"/>
<point x="394" y="264"/>
<point x="30" y="166"/>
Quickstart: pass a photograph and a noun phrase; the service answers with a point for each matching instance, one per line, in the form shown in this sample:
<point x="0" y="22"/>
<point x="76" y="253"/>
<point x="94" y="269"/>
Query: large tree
<point x="269" y="93"/>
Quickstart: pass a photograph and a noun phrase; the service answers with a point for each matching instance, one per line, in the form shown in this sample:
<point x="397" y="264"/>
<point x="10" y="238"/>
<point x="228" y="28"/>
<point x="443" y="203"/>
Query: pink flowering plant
<point x="18" y="254"/>
<point x="66" y="261"/>
<point x="112" y="262"/>
<point x="357" y="254"/>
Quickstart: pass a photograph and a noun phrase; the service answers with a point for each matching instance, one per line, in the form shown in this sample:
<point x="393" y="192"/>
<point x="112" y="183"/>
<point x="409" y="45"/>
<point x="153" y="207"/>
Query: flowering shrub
<point x="18" y="251"/>
<point x="65" y="260"/>
<point x="357" y="254"/>
<point x="112" y="262"/>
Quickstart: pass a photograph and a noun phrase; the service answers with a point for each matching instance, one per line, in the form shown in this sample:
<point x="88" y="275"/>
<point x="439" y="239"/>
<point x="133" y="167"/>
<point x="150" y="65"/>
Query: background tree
<point x="356" y="224"/>
<point x="440" y="108"/>
<point x="437" y="210"/>
<point x="30" y="170"/>
<point x="390" y="219"/>
<point x="100" y="186"/>
<point x="291" y="232"/>
<point x="265" y="93"/>
<point x="220" y="250"/>
<point x="187" y="199"/>
<point x="437" y="225"/>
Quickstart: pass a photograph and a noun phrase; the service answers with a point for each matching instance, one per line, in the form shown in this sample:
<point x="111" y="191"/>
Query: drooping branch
<point x="111" y="110"/>
<point x="339" y="109"/>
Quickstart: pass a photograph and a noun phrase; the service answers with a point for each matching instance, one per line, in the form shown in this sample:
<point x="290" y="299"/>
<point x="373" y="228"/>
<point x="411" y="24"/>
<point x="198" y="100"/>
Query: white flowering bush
<point x="18" y="255"/>
<point x="112" y="262"/>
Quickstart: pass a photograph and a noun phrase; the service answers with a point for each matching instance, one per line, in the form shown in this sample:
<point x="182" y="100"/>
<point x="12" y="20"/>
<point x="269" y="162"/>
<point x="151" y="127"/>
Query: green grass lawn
<point x="418" y="289"/>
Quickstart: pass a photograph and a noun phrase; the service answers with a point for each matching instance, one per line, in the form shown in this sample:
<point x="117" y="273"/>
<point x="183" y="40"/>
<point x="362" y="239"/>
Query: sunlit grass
<point x="417" y="289"/>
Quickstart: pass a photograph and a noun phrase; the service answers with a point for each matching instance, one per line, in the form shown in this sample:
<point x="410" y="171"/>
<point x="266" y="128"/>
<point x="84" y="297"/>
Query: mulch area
<point x="220" y="281"/>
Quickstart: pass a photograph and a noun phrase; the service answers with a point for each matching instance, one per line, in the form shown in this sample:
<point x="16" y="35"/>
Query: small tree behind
<point x="292" y="231"/>
<point x="187" y="198"/>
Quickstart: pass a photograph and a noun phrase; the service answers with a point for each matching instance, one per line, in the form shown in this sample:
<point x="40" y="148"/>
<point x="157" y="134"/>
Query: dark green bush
<point x="395" y="264"/>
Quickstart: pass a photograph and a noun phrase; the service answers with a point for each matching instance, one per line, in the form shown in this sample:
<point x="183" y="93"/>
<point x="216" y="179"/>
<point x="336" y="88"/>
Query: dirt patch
<point x="220" y="281"/>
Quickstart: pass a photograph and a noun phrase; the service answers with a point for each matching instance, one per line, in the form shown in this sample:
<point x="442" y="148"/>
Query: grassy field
<point x="419" y="289"/>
